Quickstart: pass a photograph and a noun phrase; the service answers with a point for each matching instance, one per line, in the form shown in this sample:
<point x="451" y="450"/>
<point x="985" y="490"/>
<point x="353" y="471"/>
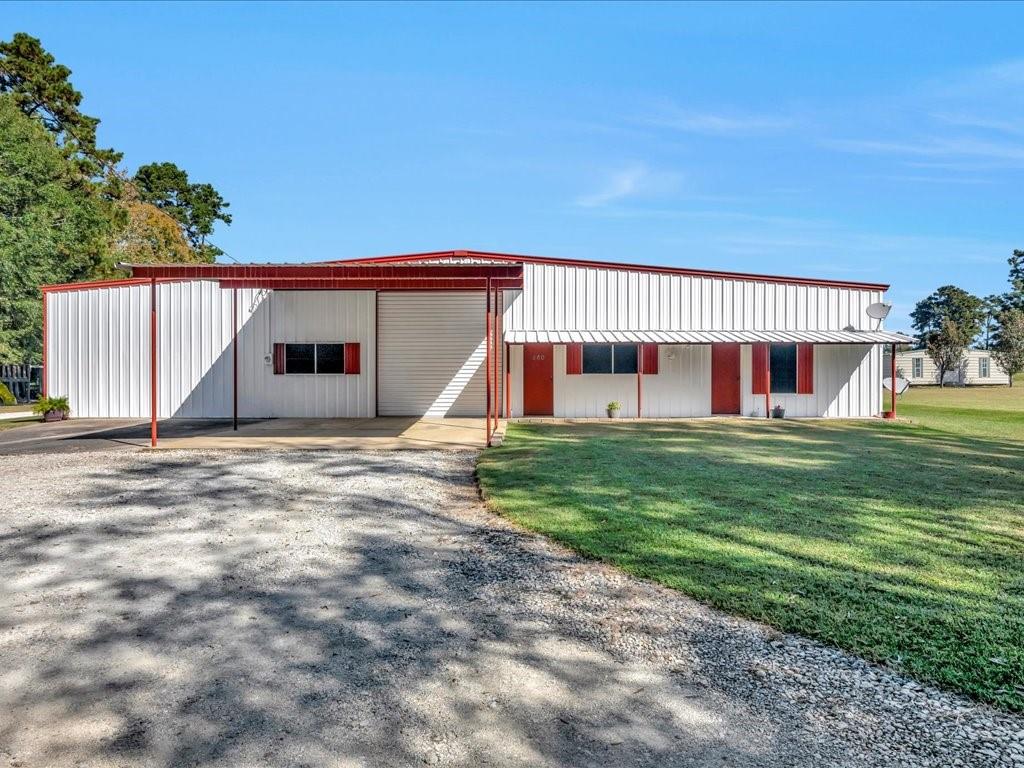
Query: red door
<point x="725" y="378"/>
<point x="538" y="380"/>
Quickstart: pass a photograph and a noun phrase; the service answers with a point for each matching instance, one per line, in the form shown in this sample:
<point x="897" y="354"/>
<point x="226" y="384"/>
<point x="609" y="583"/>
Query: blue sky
<point x="861" y="142"/>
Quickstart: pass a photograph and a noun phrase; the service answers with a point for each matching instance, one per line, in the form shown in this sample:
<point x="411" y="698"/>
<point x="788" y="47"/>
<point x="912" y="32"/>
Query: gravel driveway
<point x="351" y="609"/>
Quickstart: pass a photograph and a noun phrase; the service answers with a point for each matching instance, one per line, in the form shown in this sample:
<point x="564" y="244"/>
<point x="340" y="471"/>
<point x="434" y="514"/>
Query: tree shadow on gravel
<point x="320" y="609"/>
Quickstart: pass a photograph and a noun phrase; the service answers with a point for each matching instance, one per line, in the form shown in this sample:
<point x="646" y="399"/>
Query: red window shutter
<point x="759" y="364"/>
<point x="650" y="358"/>
<point x="805" y="369"/>
<point x="574" y="359"/>
<point x="279" y="358"/>
<point x="352" y="357"/>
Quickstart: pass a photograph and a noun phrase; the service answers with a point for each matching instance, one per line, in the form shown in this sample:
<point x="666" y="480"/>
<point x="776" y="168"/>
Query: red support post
<point x="497" y="360"/>
<point x="152" y="363"/>
<point x="487" y="363"/>
<point x="639" y="377"/>
<point x="42" y="388"/>
<point x="508" y="382"/>
<point x="234" y="359"/>
<point x="768" y="382"/>
<point x="891" y="413"/>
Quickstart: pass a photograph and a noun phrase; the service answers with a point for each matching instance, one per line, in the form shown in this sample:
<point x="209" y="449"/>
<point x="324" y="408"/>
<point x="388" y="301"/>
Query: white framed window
<point x="314" y="358"/>
<point x="609" y="358"/>
<point x="983" y="368"/>
<point x="917" y="368"/>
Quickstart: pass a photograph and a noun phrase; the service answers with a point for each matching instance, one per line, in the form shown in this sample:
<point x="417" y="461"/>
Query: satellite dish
<point x="879" y="310"/>
<point x="902" y="385"/>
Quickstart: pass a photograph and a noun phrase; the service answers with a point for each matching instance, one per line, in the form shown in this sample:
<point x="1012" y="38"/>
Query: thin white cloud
<point x="718" y="124"/>
<point x="965" y="120"/>
<point x="1001" y="77"/>
<point x="631" y="181"/>
<point x="933" y="147"/>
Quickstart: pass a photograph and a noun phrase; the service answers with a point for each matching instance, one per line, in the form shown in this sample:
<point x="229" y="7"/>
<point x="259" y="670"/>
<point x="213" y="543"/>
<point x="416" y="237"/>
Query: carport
<point x="488" y="279"/>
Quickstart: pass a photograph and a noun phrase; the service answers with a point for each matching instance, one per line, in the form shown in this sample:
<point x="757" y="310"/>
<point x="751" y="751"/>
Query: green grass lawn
<point x="897" y="541"/>
<point x="996" y="412"/>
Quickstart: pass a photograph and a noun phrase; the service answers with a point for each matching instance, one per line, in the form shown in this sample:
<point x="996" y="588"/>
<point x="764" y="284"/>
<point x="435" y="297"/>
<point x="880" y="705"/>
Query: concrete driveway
<point x="362" y="609"/>
<point x="384" y="433"/>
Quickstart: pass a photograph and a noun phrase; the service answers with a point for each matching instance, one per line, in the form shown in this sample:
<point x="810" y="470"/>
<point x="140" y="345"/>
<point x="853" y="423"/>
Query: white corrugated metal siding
<point x="98" y="351"/>
<point x="559" y="297"/>
<point x="432" y="354"/>
<point x="847" y="384"/>
<point x="567" y="301"/>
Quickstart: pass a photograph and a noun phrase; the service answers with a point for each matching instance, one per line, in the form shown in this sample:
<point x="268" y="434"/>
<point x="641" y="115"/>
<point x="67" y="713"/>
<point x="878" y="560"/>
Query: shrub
<point x="6" y="398"/>
<point x="46" y="404"/>
<point x="614" y="405"/>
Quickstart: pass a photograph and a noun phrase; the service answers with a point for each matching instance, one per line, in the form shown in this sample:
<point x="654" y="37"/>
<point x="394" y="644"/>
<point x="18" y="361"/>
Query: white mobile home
<point x="462" y="333"/>
<point x="977" y="367"/>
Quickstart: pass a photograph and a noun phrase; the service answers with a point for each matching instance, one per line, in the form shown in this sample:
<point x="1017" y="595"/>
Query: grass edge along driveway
<point x="900" y="543"/>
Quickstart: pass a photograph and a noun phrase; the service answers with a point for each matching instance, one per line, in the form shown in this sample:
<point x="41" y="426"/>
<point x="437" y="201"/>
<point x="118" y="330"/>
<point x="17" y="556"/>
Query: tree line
<point x="68" y="209"/>
<point x="951" y="320"/>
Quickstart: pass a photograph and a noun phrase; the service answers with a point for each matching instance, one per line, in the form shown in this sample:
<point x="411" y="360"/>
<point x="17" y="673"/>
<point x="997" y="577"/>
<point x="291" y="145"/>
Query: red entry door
<point x="538" y="380"/>
<point x="725" y="378"/>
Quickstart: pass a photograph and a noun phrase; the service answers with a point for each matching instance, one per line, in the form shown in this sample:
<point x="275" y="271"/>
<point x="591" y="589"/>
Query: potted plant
<point x="613" y="409"/>
<point x="778" y="412"/>
<point x="52" y="408"/>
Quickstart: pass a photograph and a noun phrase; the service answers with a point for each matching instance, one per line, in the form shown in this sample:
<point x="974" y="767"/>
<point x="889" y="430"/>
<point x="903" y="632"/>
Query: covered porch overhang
<point x="765" y="337"/>
<point x="491" y="279"/>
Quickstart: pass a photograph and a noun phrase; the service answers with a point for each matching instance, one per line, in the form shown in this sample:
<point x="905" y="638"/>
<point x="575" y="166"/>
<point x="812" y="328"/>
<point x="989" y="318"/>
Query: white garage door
<point x="431" y="348"/>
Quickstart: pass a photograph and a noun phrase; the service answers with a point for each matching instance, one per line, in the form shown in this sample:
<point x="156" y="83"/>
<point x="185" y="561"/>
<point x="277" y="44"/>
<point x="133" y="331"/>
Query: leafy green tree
<point x="41" y="89"/>
<point x="946" y="347"/>
<point x="948" y="303"/>
<point x="991" y="306"/>
<point x="196" y="207"/>
<point x="1014" y="298"/>
<point x="1009" y="347"/>
<point x="52" y="229"/>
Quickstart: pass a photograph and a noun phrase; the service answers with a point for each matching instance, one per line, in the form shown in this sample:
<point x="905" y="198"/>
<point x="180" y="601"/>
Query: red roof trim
<point x="350" y="272"/>
<point x="616" y="266"/>
<point x="57" y="287"/>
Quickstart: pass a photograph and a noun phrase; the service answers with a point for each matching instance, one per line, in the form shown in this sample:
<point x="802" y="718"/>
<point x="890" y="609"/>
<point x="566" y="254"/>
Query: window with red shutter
<point x="574" y="359"/>
<point x="805" y="369"/>
<point x="352" y="357"/>
<point x="759" y="364"/>
<point x="650" y="359"/>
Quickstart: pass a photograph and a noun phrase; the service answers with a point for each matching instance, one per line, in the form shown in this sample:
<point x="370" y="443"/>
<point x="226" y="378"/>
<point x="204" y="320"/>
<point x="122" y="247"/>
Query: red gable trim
<point x="512" y="257"/>
<point x="354" y="271"/>
<point x="92" y="284"/>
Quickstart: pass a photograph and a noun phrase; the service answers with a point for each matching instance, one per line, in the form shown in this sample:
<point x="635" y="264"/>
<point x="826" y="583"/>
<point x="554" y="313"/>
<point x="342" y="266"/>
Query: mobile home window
<point x="783" y="368"/>
<point x="917" y="366"/>
<point x="983" y="368"/>
<point x="609" y="358"/>
<point x="314" y="358"/>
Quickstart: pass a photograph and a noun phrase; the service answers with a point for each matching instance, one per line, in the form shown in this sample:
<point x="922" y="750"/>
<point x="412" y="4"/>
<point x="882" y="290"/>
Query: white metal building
<point x="419" y="335"/>
<point x="978" y="367"/>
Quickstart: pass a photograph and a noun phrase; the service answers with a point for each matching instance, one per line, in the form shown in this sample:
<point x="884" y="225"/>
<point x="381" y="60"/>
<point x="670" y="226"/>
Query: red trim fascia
<point x="367" y="272"/>
<point x="617" y="265"/>
<point x="369" y="285"/>
<point x="56" y="287"/>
